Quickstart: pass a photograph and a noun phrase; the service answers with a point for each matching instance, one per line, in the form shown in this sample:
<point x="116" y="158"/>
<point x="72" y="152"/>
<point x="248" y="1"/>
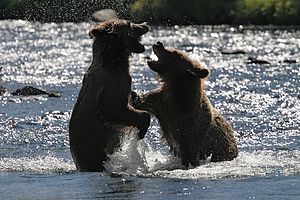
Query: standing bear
<point x="193" y="128"/>
<point x="102" y="108"/>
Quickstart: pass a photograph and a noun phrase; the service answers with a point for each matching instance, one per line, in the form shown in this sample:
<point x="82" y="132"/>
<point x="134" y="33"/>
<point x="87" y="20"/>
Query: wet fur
<point x="102" y="108"/>
<point x="193" y="128"/>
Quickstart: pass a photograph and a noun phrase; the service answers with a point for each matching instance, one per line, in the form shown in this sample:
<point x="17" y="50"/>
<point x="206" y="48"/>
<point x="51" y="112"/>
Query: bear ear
<point x="199" y="73"/>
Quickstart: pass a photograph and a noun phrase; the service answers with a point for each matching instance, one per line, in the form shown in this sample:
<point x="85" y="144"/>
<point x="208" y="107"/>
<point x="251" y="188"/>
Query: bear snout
<point x="140" y="29"/>
<point x="158" y="48"/>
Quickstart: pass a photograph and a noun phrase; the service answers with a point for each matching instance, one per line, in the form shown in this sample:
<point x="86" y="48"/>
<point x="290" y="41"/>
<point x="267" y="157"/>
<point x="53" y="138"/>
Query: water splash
<point x="247" y="164"/>
<point x="138" y="158"/>
<point x="261" y="102"/>
<point x="134" y="156"/>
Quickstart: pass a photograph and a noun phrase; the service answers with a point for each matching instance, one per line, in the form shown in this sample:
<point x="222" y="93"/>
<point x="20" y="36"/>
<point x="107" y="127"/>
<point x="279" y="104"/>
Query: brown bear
<point x="102" y="108"/>
<point x="193" y="128"/>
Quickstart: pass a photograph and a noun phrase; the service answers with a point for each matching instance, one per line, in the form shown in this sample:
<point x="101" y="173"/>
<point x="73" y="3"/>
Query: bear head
<point x="174" y="64"/>
<point x="122" y="31"/>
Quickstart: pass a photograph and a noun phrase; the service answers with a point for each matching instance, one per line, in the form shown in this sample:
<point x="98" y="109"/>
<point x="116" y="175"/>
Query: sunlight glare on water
<point x="260" y="101"/>
<point x="44" y="52"/>
<point x="36" y="164"/>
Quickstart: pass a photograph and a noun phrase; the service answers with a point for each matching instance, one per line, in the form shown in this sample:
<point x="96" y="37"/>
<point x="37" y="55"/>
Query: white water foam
<point x="247" y="164"/>
<point x="138" y="158"/>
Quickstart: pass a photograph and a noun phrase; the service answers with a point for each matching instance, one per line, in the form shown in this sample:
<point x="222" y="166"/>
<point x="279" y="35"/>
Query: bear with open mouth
<point x="192" y="127"/>
<point x="102" y="108"/>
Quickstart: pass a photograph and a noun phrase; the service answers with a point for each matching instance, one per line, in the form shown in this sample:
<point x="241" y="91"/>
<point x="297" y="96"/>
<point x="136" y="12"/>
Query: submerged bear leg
<point x="88" y="157"/>
<point x="188" y="155"/>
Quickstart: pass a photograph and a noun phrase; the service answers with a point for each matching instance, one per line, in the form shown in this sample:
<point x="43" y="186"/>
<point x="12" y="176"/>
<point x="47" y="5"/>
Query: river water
<point x="261" y="101"/>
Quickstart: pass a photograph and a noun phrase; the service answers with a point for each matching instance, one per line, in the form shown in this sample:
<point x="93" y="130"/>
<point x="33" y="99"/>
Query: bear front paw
<point x="135" y="100"/>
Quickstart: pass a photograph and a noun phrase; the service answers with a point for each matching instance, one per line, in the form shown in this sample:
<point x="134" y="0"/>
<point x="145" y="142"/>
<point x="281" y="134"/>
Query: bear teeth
<point x="153" y="57"/>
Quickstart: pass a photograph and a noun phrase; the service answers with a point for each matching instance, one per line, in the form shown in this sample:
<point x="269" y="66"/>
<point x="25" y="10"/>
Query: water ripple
<point x="262" y="102"/>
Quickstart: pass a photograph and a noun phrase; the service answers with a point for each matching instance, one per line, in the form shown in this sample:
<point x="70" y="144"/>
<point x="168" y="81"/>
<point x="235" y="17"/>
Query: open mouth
<point x="136" y="45"/>
<point x="157" y="48"/>
<point x="154" y="62"/>
<point x="138" y="31"/>
<point x="140" y="48"/>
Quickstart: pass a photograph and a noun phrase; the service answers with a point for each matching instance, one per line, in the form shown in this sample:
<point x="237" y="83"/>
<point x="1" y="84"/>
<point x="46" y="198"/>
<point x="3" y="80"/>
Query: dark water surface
<point x="261" y="101"/>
